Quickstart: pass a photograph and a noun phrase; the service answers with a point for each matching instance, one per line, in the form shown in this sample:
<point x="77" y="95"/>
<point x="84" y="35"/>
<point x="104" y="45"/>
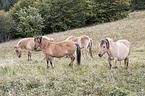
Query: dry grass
<point x="93" y="77"/>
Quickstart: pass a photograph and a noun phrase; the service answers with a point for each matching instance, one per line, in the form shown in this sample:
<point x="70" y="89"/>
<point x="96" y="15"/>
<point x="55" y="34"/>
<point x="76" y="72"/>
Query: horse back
<point x="125" y="43"/>
<point x="27" y="43"/>
<point x="67" y="44"/>
<point x="85" y="40"/>
<point x="71" y="38"/>
<point x="59" y="49"/>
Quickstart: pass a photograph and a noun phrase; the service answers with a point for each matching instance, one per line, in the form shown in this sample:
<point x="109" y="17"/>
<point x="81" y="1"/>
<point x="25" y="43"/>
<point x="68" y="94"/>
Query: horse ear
<point x="107" y="44"/>
<point x="35" y="38"/>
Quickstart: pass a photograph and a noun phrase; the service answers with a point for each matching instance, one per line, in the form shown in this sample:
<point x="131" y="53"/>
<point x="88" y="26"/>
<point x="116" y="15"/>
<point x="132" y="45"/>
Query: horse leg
<point x="50" y="58"/>
<point x="119" y="64"/>
<point x="29" y="56"/>
<point x="52" y="65"/>
<point x="86" y="52"/>
<point x="126" y="60"/>
<point x="72" y="59"/>
<point x="49" y="61"/>
<point x="110" y="64"/>
<point x="115" y="63"/>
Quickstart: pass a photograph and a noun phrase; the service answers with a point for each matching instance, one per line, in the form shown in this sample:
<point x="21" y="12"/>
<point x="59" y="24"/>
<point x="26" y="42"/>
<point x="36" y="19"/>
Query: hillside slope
<point x="21" y="77"/>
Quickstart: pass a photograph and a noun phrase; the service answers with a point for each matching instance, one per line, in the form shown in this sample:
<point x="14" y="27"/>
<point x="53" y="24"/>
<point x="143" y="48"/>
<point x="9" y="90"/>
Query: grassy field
<point x="21" y="77"/>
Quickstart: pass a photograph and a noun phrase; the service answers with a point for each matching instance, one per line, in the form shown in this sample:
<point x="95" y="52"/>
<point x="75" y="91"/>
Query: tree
<point x="30" y="22"/>
<point x="7" y="4"/>
<point x="6" y="26"/>
<point x="138" y="4"/>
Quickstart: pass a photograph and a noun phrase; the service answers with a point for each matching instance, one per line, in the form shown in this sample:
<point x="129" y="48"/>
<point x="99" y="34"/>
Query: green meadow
<point x="20" y="77"/>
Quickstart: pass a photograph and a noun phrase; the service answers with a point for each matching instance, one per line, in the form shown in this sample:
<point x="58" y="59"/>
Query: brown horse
<point x="116" y="51"/>
<point x="57" y="49"/>
<point x="84" y="42"/>
<point x="28" y="44"/>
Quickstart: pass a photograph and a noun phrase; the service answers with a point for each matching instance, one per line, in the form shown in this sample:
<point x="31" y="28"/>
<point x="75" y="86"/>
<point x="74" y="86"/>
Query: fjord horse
<point x="116" y="51"/>
<point x="84" y="42"/>
<point x="57" y="49"/>
<point x="28" y="44"/>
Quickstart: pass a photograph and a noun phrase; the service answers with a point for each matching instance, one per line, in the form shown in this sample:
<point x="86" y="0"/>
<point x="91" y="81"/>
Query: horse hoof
<point x="115" y="67"/>
<point x="29" y="59"/>
<point x="69" y="64"/>
<point x="126" y="68"/>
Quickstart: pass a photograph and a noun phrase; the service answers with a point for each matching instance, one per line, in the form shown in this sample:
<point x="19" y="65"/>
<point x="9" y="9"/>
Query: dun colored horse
<point x="57" y="49"/>
<point x="28" y="44"/>
<point x="116" y="51"/>
<point x="84" y="42"/>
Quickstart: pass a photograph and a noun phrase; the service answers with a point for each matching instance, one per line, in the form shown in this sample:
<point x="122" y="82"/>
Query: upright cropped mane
<point x="109" y="39"/>
<point x="20" y="42"/>
<point x="46" y="37"/>
<point x="50" y="39"/>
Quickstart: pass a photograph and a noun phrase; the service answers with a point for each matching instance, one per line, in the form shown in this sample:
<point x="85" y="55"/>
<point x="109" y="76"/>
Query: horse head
<point x="104" y="46"/>
<point x="18" y="51"/>
<point x="37" y="42"/>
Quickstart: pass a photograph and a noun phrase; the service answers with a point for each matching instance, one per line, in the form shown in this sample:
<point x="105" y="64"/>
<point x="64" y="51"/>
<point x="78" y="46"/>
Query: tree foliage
<point x="138" y="4"/>
<point x="60" y="15"/>
<point x="7" y="27"/>
<point x="30" y="22"/>
<point x="7" y="4"/>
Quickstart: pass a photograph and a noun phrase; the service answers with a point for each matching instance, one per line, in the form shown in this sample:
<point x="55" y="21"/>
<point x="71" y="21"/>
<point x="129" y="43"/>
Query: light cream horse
<point x="28" y="44"/>
<point x="116" y="51"/>
<point x="84" y="42"/>
<point x="57" y="49"/>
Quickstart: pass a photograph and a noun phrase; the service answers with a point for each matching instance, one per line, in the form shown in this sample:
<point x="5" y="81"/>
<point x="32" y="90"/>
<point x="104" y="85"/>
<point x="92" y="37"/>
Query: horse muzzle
<point x="35" y="48"/>
<point x="100" y="55"/>
<point x="19" y="56"/>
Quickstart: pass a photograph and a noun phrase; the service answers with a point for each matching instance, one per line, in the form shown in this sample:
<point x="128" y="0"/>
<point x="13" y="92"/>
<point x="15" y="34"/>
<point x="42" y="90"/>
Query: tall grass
<point x="93" y="77"/>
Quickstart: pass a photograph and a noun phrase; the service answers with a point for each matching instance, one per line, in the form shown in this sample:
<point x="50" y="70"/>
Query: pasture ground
<point x="93" y="77"/>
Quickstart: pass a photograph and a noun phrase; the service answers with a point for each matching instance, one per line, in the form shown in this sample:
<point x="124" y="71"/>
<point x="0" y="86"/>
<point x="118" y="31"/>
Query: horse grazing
<point x="84" y="42"/>
<point x="116" y="51"/>
<point x="57" y="49"/>
<point x="28" y="44"/>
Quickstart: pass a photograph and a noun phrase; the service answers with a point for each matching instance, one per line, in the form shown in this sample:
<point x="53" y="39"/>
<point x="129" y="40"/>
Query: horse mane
<point x="46" y="37"/>
<point x="108" y="42"/>
<point x="50" y="39"/>
<point x="70" y="37"/>
<point x="20" y="42"/>
<point x="109" y="39"/>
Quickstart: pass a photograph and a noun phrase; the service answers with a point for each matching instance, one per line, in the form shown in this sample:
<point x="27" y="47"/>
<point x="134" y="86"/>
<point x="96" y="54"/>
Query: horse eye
<point x="103" y="46"/>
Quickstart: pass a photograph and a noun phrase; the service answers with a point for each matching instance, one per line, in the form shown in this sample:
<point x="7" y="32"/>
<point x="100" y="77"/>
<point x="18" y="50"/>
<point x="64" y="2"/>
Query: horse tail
<point x="78" y="54"/>
<point x="90" y="47"/>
